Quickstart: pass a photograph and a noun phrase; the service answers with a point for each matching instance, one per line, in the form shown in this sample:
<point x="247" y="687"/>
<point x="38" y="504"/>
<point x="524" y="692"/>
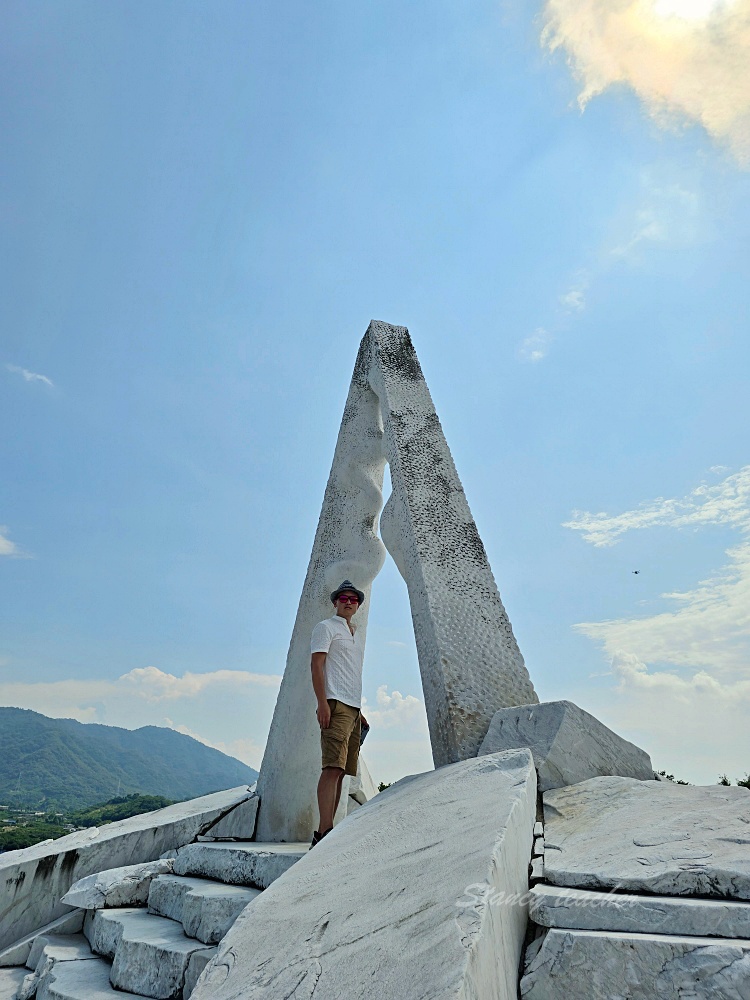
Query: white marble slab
<point x="583" y="909"/>
<point x="569" y="744"/>
<point x="602" y="965"/>
<point x="649" y="836"/>
<point x="34" y="880"/>
<point x="127" y="886"/>
<point x="420" y="893"/>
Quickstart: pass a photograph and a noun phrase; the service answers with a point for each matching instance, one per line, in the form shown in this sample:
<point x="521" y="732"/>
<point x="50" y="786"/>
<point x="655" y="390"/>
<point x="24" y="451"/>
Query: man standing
<point x="337" y="656"/>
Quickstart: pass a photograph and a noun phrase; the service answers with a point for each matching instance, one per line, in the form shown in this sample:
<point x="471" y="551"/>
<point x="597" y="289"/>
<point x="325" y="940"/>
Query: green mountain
<point x="66" y="764"/>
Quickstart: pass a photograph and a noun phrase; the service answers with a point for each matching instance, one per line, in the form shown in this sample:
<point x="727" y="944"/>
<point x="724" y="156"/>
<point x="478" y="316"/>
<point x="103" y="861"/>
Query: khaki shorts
<point x="340" y="742"/>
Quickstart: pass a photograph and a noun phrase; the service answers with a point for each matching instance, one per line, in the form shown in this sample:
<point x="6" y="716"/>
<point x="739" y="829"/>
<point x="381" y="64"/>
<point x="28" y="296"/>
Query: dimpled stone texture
<point x="468" y="656"/>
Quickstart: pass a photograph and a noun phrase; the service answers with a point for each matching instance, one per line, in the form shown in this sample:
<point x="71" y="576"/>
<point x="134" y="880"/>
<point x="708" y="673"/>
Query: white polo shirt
<point x="345" y="655"/>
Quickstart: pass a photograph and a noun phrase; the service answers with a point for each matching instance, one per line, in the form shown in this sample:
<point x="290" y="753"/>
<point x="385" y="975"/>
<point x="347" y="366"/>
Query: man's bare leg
<point x="329" y="792"/>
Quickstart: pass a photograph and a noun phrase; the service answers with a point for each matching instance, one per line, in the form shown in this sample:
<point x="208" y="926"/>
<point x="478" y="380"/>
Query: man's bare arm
<point x="317" y="665"/>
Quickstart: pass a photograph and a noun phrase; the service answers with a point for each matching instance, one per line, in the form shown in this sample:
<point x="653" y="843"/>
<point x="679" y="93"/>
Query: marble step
<point x="206" y="909"/>
<point x="149" y="954"/>
<point x="592" y="965"/>
<point x="45" y="954"/>
<point x="10" y="979"/>
<point x="243" y="863"/>
<point x="61" y="947"/>
<point x="81" y="981"/>
<point x="586" y="909"/>
<point x="198" y="962"/>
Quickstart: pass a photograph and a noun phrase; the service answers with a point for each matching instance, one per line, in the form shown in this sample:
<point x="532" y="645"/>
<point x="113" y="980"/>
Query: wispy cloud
<point x="153" y="684"/>
<point x="9" y="548"/>
<point x="694" y="726"/>
<point x="687" y="60"/>
<point x="535" y="347"/>
<point x="686" y="668"/>
<point x="29" y="376"/>
<point x="669" y="212"/>
<point x="725" y="503"/>
<point x="706" y="627"/>
<point x="574" y="300"/>
<point x="664" y="211"/>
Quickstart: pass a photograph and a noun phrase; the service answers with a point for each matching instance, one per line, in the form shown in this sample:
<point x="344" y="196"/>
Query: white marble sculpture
<point x="468" y="656"/>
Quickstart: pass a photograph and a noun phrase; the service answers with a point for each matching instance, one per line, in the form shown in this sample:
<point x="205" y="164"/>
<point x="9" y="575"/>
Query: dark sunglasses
<point x="347" y="600"/>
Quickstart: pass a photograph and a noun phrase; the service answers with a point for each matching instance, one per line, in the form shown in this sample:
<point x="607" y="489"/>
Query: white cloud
<point x="9" y="548"/>
<point x="395" y="709"/>
<point x="694" y="727"/>
<point x="686" y="669"/>
<point x="727" y="503"/>
<point x="647" y="230"/>
<point x="230" y="709"/>
<point x="687" y="60"/>
<point x="710" y="628"/>
<point x="535" y="347"/>
<point x="574" y="300"/>
<point x="668" y="212"/>
<point x="153" y="684"/>
<point x="29" y="376"/>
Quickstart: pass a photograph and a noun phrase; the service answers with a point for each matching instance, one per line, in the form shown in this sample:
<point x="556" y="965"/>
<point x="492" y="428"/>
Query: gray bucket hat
<point x="347" y="585"/>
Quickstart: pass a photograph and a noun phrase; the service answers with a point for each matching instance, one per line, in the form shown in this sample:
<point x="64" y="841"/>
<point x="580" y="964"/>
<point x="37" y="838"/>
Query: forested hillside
<point x="62" y="763"/>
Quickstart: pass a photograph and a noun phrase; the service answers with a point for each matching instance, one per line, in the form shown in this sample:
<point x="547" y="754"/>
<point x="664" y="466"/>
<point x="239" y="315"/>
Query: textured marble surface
<point x="34" y="880"/>
<point x="584" y="909"/>
<point x="46" y="953"/>
<point x="469" y="659"/>
<point x="149" y="954"/>
<point x="569" y="745"/>
<point x="81" y="981"/>
<point x="245" y="864"/>
<point x="599" y="965"/>
<point x="196" y="964"/>
<point x="205" y="909"/>
<point x="127" y="886"/>
<point x="237" y="824"/>
<point x="10" y="980"/>
<point x="418" y="894"/>
<point x="649" y="836"/>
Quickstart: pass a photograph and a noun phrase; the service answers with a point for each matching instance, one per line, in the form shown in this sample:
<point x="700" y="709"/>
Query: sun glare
<point x="689" y="10"/>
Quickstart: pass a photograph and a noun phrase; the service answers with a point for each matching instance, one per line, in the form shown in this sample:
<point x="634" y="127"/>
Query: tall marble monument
<point x="468" y="656"/>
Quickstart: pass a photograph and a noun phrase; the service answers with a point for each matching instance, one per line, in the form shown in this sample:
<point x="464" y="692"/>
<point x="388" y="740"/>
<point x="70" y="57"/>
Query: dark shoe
<point x="317" y="837"/>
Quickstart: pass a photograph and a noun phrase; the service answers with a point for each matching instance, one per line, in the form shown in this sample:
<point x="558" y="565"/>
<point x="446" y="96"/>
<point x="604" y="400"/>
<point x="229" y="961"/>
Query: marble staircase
<point x="158" y="950"/>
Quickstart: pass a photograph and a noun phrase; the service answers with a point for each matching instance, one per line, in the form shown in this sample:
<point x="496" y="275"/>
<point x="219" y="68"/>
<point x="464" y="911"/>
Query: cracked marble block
<point x="649" y="836"/>
<point x="420" y="894"/>
<point x="469" y="660"/>
<point x="602" y="965"/>
<point x="568" y="744"/>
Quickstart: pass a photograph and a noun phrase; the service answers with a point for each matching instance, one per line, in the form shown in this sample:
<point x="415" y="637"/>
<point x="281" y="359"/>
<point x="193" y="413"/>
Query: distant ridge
<point x="60" y="762"/>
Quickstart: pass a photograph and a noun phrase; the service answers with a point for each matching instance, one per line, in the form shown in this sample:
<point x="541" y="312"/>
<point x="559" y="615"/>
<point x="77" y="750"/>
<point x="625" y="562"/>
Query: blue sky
<point x="203" y="206"/>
